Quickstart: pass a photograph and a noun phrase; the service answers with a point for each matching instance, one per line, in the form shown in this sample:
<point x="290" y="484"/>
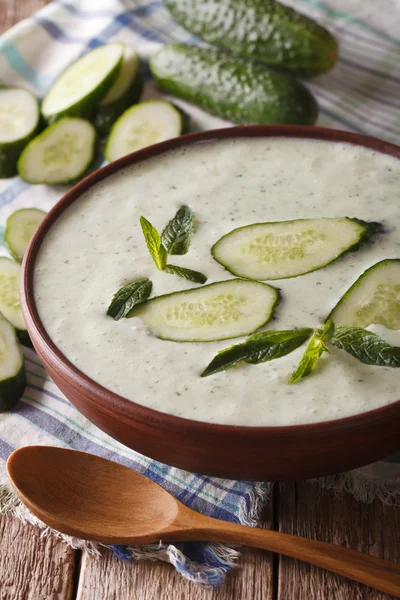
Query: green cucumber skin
<point x="241" y="91"/>
<point x="262" y="30"/>
<point x="106" y="115"/>
<point x="85" y="107"/>
<point x="364" y="237"/>
<point x="11" y="389"/>
<point x="10" y="152"/>
<point x="23" y="338"/>
<point x="354" y="286"/>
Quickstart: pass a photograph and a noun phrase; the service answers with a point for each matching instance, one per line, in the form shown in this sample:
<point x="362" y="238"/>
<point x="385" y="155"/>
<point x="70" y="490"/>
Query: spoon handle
<point x="375" y="572"/>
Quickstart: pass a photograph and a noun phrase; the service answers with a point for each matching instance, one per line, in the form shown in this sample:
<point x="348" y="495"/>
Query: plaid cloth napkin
<point x="361" y="94"/>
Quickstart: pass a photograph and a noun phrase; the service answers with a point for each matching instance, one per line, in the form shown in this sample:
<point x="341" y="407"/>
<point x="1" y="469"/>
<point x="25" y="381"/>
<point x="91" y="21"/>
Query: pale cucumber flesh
<point x="83" y="84"/>
<point x="218" y="311"/>
<point x="373" y="299"/>
<point x="10" y="273"/>
<point x="12" y="371"/>
<point x="288" y="248"/>
<point x="19" y="121"/>
<point x="142" y="125"/>
<point x="20" y="227"/>
<point x="127" y="72"/>
<point x="61" y="153"/>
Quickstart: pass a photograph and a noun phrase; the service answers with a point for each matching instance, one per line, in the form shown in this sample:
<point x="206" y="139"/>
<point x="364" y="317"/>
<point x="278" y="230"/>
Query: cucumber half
<point x="20" y="227"/>
<point x="242" y="91"/>
<point x="142" y="125"/>
<point x="19" y="121"/>
<point x="83" y="84"/>
<point x="287" y="248"/>
<point x="10" y="274"/>
<point x="124" y="92"/>
<point x="61" y="153"/>
<point x="12" y="370"/>
<point x="373" y="299"/>
<point x="218" y="311"/>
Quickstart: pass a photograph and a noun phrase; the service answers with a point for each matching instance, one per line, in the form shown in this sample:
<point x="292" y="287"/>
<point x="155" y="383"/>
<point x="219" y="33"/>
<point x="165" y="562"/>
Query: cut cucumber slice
<point x="61" y="153"/>
<point x="20" y="227"/>
<point x="12" y="370"/>
<point x="83" y="84"/>
<point x="10" y="273"/>
<point x="142" y="125"/>
<point x="19" y="121"/>
<point x="124" y="92"/>
<point x="287" y="248"/>
<point x="373" y="299"/>
<point x="218" y="311"/>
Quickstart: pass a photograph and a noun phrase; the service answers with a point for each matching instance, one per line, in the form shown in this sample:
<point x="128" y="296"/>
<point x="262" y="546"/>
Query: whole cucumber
<point x="263" y="30"/>
<point x="236" y="89"/>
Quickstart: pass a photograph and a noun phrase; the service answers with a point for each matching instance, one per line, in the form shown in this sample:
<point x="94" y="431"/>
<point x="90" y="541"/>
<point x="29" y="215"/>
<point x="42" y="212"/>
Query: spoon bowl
<point x="96" y="499"/>
<point x="68" y="491"/>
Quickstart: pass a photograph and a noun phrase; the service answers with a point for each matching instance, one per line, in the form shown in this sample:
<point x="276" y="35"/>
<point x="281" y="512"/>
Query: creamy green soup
<point x="97" y="246"/>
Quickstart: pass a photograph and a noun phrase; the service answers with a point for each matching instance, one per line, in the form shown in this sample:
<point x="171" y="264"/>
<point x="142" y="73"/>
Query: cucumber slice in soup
<point x="10" y="273"/>
<point x="218" y="311"/>
<point x="142" y="125"/>
<point x="12" y="370"/>
<point x="124" y="92"/>
<point x="83" y="84"/>
<point x="373" y="299"/>
<point x="19" y="121"/>
<point x="287" y="248"/>
<point x="20" y="227"/>
<point x="61" y="153"/>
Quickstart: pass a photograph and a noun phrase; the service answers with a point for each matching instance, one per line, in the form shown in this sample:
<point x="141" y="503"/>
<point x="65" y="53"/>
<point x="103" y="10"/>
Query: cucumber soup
<point x="97" y="246"/>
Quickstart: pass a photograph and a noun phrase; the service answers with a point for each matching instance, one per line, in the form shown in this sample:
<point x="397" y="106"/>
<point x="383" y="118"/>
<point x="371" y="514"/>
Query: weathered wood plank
<point x="12" y="11"/>
<point x="33" y="567"/>
<point x="111" y="579"/>
<point x="310" y="511"/>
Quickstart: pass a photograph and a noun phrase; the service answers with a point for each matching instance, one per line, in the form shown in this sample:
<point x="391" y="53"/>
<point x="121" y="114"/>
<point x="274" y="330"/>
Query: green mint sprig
<point x="128" y="297"/>
<point x="366" y="346"/>
<point x="315" y="348"/>
<point x="188" y="274"/>
<point x="259" y="348"/>
<point x="153" y="241"/>
<point x="178" y="232"/>
<point x="175" y="239"/>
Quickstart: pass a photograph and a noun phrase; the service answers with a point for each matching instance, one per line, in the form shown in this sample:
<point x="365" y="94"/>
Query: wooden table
<point x="33" y="568"/>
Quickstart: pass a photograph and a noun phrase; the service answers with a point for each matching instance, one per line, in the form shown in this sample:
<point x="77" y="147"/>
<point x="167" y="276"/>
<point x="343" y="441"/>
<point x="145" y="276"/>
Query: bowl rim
<point x="109" y="401"/>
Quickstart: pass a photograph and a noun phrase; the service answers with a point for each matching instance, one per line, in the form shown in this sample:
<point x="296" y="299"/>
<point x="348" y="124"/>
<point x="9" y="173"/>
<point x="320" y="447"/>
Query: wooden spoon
<point x="96" y="499"/>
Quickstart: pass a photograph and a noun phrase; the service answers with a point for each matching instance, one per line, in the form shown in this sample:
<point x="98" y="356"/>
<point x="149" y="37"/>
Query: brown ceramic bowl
<point x="258" y="453"/>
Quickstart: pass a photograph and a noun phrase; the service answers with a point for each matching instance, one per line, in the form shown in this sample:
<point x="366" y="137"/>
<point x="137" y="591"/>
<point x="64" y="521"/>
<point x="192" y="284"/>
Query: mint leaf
<point x="366" y="346"/>
<point x="154" y="245"/>
<point x="129" y="296"/>
<point x="315" y="348"/>
<point x="189" y="274"/>
<point x="259" y="348"/>
<point x="177" y="234"/>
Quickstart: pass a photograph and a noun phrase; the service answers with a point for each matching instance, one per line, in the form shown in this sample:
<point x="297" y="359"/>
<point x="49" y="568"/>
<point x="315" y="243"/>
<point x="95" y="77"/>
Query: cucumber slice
<point x="83" y="84"/>
<point x="61" y="153"/>
<point x="19" y="121"/>
<point x="10" y="273"/>
<point x="373" y="299"/>
<point x="218" y="311"/>
<point x="20" y="227"/>
<point x="124" y="92"/>
<point x="142" y="125"/>
<point x="287" y="248"/>
<point x="12" y="370"/>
